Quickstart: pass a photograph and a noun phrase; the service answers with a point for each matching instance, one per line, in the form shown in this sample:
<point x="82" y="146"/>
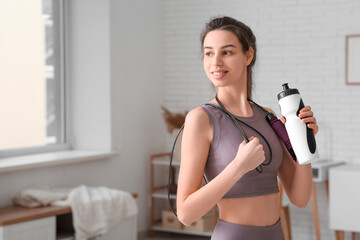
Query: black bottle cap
<point x="287" y="91"/>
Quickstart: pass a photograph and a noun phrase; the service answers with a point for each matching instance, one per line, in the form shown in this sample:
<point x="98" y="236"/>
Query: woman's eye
<point x="227" y="53"/>
<point x="209" y="54"/>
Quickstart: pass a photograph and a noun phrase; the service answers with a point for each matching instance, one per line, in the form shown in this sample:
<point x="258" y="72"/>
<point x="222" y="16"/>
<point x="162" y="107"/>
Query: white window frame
<point x="86" y="146"/>
<point x="64" y="102"/>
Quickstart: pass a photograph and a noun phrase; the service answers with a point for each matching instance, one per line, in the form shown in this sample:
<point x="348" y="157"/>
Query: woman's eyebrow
<point x="225" y="46"/>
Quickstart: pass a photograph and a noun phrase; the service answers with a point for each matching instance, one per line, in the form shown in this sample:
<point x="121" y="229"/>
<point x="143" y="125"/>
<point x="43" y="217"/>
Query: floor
<point x="170" y="236"/>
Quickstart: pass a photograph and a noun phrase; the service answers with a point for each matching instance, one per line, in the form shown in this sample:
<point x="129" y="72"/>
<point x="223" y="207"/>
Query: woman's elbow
<point x="184" y="218"/>
<point x="301" y="203"/>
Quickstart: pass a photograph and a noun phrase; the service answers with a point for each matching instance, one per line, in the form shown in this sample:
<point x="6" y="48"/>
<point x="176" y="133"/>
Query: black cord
<point x="266" y="111"/>
<point x="235" y="121"/>
<point x="171" y="159"/>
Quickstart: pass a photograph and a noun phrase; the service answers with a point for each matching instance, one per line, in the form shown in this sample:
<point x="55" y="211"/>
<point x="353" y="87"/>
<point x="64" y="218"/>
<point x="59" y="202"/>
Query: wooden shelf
<point x="160" y="191"/>
<point x="16" y="214"/>
<point x="160" y="228"/>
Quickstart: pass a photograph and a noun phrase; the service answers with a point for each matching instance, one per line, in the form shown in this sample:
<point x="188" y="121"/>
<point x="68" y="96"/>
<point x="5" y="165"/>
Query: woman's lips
<point x="218" y="74"/>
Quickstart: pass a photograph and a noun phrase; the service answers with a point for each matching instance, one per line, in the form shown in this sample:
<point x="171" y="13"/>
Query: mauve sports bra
<point x="225" y="144"/>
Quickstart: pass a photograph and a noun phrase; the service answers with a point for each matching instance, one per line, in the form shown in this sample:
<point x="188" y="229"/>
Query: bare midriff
<point x="253" y="211"/>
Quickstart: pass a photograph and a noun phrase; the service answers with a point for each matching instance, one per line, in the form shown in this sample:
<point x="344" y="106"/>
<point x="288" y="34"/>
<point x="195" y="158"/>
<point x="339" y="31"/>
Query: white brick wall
<point x="299" y="41"/>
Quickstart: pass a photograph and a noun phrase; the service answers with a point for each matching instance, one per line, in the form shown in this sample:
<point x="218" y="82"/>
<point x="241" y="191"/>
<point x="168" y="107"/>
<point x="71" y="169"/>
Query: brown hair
<point x="245" y="36"/>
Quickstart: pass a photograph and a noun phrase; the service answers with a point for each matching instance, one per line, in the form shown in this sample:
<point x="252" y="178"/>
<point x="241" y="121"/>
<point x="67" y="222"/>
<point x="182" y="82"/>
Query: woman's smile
<point x="219" y="74"/>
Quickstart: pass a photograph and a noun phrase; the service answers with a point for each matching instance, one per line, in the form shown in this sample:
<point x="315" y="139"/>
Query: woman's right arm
<point x="194" y="201"/>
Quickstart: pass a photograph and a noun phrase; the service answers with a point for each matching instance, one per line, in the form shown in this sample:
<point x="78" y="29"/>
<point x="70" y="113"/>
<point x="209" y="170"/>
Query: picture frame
<point x="352" y="60"/>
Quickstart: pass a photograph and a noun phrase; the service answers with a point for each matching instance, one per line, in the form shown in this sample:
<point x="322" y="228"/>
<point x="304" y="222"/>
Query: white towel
<point x="39" y="196"/>
<point x="94" y="209"/>
<point x="97" y="209"/>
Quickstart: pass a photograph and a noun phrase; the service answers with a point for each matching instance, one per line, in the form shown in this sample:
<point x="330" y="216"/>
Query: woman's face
<point x="224" y="61"/>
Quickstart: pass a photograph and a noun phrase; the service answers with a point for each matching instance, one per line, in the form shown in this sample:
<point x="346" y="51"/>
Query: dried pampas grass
<point x="173" y="120"/>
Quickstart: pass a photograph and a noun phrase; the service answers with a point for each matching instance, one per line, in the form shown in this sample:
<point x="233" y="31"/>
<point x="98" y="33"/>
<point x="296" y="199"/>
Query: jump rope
<point x="274" y="122"/>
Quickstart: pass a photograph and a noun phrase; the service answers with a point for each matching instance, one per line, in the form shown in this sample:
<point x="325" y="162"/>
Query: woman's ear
<point x="249" y="56"/>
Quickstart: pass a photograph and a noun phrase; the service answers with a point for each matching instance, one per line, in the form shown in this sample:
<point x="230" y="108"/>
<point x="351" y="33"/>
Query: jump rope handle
<point x="281" y="132"/>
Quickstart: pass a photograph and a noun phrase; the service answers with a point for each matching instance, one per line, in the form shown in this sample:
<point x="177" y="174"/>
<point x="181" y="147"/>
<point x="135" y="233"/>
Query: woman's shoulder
<point x="198" y="123"/>
<point x="197" y="116"/>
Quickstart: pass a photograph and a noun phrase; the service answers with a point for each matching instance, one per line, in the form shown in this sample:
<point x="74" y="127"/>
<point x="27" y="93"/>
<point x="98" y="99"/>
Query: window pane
<point x="30" y="74"/>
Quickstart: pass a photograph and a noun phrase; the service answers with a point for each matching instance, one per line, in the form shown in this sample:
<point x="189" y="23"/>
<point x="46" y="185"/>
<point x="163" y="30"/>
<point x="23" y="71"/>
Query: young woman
<point x="247" y="198"/>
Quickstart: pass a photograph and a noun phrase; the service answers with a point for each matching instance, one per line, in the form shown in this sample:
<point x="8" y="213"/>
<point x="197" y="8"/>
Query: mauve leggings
<point x="230" y="231"/>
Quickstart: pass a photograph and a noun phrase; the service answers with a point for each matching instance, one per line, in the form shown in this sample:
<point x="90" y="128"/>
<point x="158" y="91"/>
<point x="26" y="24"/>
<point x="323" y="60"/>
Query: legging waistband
<point x="231" y="231"/>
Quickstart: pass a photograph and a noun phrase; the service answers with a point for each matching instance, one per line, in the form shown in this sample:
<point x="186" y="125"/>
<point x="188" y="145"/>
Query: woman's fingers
<point x="305" y="109"/>
<point x="309" y="120"/>
<point x="311" y="123"/>
<point x="283" y="120"/>
<point x="314" y="127"/>
<point x="307" y="116"/>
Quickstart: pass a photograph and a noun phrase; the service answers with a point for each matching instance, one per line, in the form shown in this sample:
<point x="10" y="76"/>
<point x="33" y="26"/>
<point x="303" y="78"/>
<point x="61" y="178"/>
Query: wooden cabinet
<point x="31" y="230"/>
<point x="159" y="164"/>
<point x="20" y="223"/>
<point x="53" y="223"/>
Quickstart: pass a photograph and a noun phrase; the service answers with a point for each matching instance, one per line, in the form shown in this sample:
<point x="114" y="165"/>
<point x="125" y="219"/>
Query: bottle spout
<point x="287" y="91"/>
<point x="285" y="86"/>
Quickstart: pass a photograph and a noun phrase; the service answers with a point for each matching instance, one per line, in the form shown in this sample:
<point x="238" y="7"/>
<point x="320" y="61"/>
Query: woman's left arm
<point x="296" y="178"/>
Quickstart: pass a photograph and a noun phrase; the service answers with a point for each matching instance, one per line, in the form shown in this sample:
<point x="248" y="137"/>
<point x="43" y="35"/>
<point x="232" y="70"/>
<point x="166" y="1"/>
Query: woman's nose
<point x="217" y="60"/>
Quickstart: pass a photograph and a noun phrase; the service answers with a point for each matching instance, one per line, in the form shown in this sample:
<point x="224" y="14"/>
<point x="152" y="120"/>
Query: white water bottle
<point x="301" y="137"/>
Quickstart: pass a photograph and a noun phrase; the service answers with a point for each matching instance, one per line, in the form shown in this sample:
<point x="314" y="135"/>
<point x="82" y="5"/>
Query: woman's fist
<point x="250" y="155"/>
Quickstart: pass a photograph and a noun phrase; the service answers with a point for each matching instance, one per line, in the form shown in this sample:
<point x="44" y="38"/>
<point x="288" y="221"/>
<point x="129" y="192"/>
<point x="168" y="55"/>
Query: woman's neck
<point x="235" y="102"/>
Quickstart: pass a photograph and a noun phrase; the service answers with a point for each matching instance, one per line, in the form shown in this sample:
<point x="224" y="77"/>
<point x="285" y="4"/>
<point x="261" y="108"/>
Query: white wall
<point x="137" y="93"/>
<point x="116" y="78"/>
<point x="89" y="76"/>
<point x="300" y="42"/>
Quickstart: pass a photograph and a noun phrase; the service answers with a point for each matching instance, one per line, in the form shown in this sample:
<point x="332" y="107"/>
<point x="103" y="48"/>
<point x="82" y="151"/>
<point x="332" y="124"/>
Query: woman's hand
<point x="307" y="116"/>
<point x="250" y="155"/>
